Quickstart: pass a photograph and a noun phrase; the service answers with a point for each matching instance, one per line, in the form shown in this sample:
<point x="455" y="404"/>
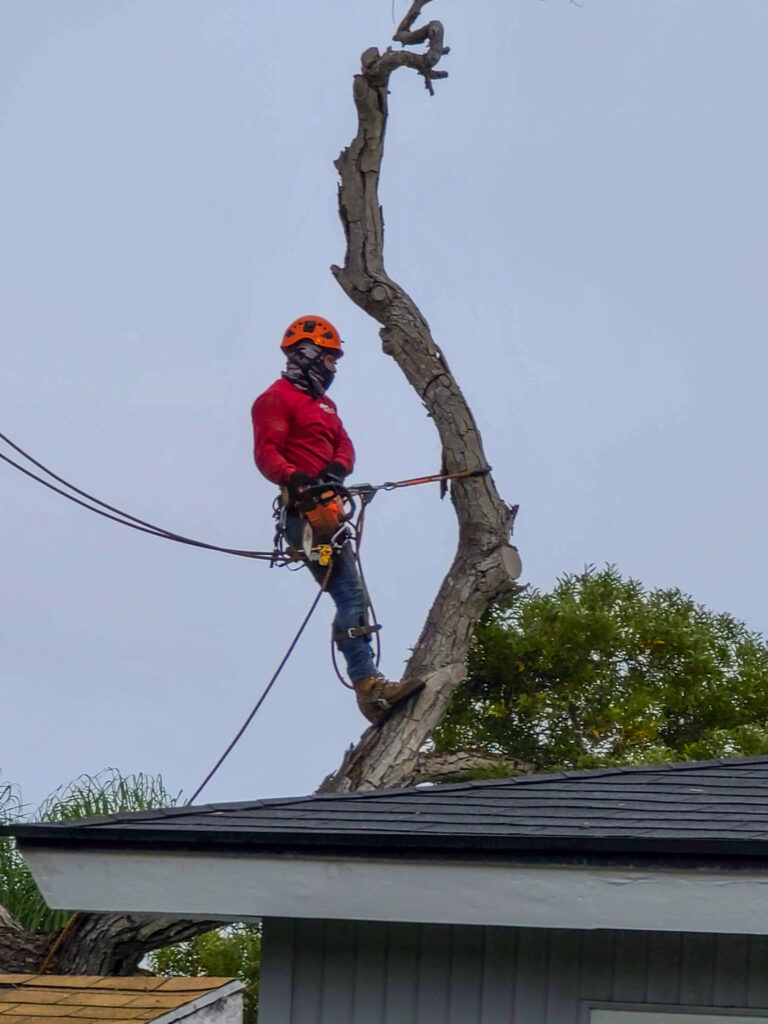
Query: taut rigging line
<point x="102" y="508"/>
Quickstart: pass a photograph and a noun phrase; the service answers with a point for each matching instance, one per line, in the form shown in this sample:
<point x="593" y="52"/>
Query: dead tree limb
<point x="485" y="565"/>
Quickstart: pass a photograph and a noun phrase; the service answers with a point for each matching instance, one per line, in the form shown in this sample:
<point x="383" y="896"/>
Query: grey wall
<point x="347" y="972"/>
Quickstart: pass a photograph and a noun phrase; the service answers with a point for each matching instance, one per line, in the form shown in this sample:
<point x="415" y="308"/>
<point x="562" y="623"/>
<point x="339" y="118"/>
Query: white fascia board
<point x="240" y="887"/>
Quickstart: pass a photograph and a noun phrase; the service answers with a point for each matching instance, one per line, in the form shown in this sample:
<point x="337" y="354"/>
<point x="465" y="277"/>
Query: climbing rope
<point x="370" y="490"/>
<point x="236" y="738"/>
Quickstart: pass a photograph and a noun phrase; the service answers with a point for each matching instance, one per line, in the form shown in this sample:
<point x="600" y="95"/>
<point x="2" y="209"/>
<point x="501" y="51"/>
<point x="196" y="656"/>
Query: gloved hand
<point x="299" y="480"/>
<point x="333" y="473"/>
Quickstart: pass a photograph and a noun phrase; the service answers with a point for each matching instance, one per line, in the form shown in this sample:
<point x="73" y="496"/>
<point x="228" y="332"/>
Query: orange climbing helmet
<point x="315" y="329"/>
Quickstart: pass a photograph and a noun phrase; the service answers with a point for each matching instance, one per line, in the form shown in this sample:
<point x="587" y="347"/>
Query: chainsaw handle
<point x="311" y="490"/>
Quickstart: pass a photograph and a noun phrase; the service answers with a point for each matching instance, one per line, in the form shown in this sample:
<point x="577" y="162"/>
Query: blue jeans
<point x="346" y="589"/>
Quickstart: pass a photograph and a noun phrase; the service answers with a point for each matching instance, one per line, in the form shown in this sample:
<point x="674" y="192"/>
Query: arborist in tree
<point x="299" y="444"/>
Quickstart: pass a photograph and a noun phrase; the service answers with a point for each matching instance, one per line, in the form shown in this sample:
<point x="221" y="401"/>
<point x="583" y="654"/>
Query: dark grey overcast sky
<point x="580" y="212"/>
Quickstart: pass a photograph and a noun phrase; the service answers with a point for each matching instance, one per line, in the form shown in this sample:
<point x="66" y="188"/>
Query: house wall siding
<point x="360" y="972"/>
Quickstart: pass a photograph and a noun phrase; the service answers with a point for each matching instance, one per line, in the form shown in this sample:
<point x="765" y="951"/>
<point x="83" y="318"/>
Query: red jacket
<point x="293" y="431"/>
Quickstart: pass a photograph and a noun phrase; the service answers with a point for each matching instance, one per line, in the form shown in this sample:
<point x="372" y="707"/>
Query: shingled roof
<point x="85" y="999"/>
<point x="703" y="808"/>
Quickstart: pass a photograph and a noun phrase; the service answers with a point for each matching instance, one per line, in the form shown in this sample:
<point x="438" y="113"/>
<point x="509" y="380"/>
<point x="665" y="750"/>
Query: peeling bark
<point x="482" y="567"/>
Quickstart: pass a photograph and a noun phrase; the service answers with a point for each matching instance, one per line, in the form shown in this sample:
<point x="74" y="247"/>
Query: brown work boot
<point x="376" y="696"/>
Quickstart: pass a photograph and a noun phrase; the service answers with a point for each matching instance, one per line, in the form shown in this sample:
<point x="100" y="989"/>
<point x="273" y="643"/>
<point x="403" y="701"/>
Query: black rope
<point x="261" y="699"/>
<point x="124" y="518"/>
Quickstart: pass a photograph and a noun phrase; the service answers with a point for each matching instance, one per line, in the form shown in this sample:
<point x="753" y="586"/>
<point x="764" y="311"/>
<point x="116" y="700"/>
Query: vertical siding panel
<point x="434" y="973"/>
<point x="338" y="972"/>
<point x="697" y="969"/>
<point x="757" y="977"/>
<point x="629" y="976"/>
<point x="307" y="972"/>
<point x="563" y="977"/>
<point x="466" y="975"/>
<point x="498" y="984"/>
<point x="402" y="974"/>
<point x="276" y="971"/>
<point x="531" y="976"/>
<point x="664" y="955"/>
<point x="597" y="962"/>
<point x="370" y="973"/>
<point x="730" y="970"/>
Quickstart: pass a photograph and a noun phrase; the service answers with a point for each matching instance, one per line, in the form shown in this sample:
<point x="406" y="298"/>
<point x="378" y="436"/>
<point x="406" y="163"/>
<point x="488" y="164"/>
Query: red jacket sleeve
<point x="271" y="418"/>
<point x="344" y="451"/>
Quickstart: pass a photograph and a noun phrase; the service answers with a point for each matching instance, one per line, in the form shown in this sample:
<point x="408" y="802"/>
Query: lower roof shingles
<point x="37" y="999"/>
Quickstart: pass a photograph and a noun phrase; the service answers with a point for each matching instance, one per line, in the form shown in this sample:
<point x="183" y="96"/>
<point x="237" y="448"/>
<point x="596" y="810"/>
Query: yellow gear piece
<point x="324" y="554"/>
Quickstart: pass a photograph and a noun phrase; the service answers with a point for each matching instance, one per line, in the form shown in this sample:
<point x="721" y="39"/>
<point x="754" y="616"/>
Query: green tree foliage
<point x="228" y="952"/>
<point x="601" y="671"/>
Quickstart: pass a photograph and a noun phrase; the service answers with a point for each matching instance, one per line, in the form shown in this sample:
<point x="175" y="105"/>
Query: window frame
<point x="759" y="1015"/>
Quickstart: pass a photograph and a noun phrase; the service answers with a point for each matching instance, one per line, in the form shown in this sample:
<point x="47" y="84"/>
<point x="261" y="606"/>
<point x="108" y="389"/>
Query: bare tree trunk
<point x="90" y="943"/>
<point x="485" y="564"/>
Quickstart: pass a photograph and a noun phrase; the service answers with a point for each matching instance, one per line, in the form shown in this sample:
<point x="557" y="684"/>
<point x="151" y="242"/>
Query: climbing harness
<point x="333" y="515"/>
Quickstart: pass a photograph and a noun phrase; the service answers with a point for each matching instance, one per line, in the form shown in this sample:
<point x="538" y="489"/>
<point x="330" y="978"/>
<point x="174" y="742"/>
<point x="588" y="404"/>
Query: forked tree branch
<point x="485" y="564"/>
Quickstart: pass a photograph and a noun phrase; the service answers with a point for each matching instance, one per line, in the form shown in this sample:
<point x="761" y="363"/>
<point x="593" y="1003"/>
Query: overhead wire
<point x="118" y="515"/>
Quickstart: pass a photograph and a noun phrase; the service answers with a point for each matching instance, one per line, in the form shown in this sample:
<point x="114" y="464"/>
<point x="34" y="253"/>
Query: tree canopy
<point x="602" y="671"/>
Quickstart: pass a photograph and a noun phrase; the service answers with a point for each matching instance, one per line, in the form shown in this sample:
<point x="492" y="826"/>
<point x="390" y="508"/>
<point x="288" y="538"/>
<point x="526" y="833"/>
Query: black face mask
<point x="306" y="369"/>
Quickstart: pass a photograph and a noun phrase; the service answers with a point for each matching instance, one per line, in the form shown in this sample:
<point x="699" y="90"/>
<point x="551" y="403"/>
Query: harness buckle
<point x="355" y="631"/>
